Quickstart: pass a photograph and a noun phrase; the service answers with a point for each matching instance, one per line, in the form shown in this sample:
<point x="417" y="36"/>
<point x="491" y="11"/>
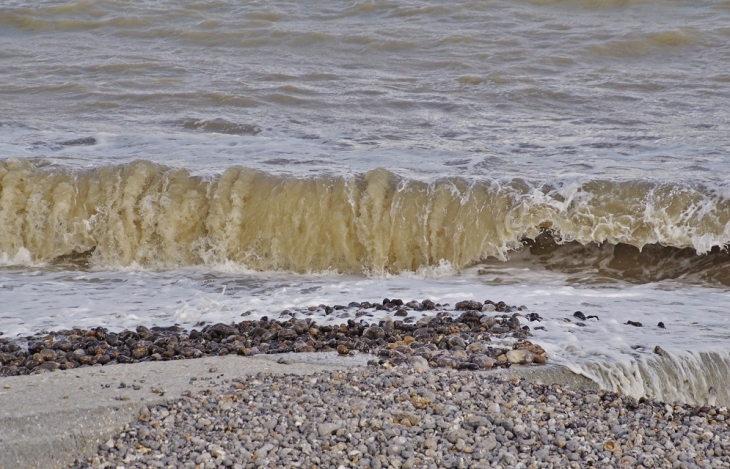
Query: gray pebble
<point x="407" y="418"/>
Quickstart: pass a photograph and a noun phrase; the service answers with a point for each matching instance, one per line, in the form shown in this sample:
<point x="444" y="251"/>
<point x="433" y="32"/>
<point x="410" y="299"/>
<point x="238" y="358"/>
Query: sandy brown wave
<point x="151" y="215"/>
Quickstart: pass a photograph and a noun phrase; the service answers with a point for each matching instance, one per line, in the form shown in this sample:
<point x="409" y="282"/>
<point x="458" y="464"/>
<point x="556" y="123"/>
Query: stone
<point x="477" y="347"/>
<point x="374" y="333"/>
<point x="539" y="355"/>
<point x="519" y="357"/>
<point x="428" y="305"/>
<point x="456" y="341"/>
<point x="419" y="364"/>
<point x="468" y="305"/>
<point x="483" y="361"/>
<point x="327" y="429"/>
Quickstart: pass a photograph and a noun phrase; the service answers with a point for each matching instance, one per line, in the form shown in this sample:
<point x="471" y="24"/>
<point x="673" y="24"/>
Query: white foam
<point x="22" y="257"/>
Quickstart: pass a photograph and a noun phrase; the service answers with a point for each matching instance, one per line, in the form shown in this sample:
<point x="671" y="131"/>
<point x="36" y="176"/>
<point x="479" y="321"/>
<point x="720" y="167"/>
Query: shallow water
<point x="164" y="163"/>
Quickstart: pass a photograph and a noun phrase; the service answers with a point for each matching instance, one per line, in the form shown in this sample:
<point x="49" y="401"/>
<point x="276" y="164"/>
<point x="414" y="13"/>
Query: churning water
<point x="170" y="163"/>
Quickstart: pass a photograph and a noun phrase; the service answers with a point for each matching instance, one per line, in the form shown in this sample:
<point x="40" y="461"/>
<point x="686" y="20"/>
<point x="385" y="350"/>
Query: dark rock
<point x="483" y="361"/>
<point x="468" y="366"/>
<point x="6" y="358"/>
<point x="33" y="361"/>
<point x="103" y="359"/>
<point x="140" y="351"/>
<point x="634" y="323"/>
<point x="80" y="141"/>
<point x="35" y="347"/>
<point x="463" y="339"/>
<point x="374" y="332"/>
<point x="220" y="330"/>
<point x="468" y="305"/>
<point x="47" y="354"/>
<point x="48" y="366"/>
<point x="446" y="361"/>
<point x="124" y="359"/>
<point x="428" y="305"/>
<point x="456" y="341"/>
<point x="661" y="325"/>
<point x="422" y="332"/>
<point x="288" y="334"/>
<point x="101" y="333"/>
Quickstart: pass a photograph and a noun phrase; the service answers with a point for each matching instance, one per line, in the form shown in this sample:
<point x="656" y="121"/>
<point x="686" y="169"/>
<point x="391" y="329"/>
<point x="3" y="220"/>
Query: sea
<point x="166" y="162"/>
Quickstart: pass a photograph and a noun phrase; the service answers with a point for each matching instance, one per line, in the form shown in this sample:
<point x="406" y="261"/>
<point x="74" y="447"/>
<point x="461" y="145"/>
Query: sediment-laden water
<point x="164" y="163"/>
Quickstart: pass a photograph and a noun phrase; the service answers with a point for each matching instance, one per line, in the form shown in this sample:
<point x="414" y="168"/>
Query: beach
<point x="452" y="194"/>
<point x="294" y="393"/>
<point x="325" y="410"/>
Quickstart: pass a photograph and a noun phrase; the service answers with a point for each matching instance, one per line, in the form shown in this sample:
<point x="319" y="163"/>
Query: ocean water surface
<point x="165" y="163"/>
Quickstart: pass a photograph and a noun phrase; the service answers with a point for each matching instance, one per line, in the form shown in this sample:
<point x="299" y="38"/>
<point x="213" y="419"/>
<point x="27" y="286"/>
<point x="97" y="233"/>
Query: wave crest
<point x="152" y="215"/>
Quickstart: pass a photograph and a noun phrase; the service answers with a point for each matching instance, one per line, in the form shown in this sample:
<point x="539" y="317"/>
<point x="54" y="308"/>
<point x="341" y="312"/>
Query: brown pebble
<point x="661" y="352"/>
<point x="342" y="350"/>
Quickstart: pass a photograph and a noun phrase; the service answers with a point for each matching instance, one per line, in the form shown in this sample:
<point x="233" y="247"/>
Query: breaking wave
<point x="155" y="216"/>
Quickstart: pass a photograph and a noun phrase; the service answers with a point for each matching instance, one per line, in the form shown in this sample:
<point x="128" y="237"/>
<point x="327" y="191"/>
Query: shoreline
<point x="465" y="337"/>
<point x="73" y="415"/>
<point x="50" y="419"/>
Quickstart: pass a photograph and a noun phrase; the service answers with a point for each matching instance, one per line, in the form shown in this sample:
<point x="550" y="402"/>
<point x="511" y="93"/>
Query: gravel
<point x="409" y="417"/>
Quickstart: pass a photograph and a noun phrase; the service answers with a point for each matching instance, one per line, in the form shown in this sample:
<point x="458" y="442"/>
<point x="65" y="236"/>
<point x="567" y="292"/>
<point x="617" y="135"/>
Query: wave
<point x="696" y="378"/>
<point x="607" y="263"/>
<point x="151" y="215"/>
<point x="219" y="125"/>
<point x="633" y="46"/>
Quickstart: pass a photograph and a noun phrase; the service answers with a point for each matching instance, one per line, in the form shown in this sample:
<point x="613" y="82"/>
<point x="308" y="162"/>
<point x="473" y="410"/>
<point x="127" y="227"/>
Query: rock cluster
<point x="438" y="340"/>
<point x="404" y="418"/>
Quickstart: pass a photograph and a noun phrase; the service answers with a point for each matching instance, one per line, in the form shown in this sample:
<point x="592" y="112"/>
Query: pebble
<point x="460" y="338"/>
<point x="403" y="417"/>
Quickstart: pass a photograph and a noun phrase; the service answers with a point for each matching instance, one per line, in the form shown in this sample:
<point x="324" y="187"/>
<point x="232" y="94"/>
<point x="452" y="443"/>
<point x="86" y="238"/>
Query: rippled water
<point x="182" y="163"/>
<point x="471" y="88"/>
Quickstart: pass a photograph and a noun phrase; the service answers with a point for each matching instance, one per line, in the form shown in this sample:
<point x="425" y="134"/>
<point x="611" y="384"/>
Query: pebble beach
<point x="460" y="337"/>
<point x="407" y="417"/>
<point x="429" y="397"/>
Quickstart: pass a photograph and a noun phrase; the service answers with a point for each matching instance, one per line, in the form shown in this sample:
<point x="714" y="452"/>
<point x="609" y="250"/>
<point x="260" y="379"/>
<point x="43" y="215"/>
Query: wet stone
<point x="446" y="338"/>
